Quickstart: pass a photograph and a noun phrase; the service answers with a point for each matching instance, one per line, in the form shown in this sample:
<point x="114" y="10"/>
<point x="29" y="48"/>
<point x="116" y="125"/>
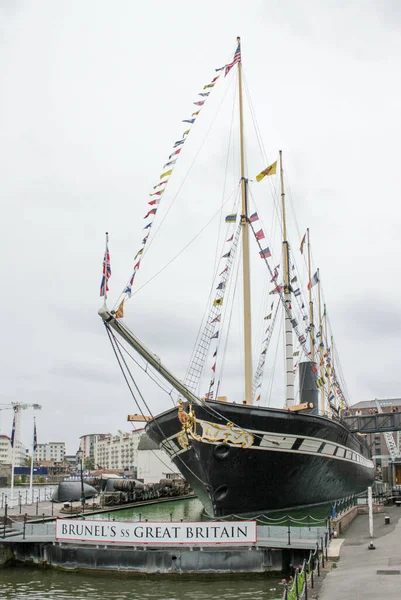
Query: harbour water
<point x="23" y="583"/>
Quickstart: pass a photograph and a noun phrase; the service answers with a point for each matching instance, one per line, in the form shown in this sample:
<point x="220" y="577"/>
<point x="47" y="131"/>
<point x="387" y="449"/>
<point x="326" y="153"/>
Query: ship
<point x="243" y="458"/>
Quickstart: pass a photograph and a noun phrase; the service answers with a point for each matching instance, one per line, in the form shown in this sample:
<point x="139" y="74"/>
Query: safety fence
<point x="305" y="575"/>
<point x="299" y="536"/>
<point x="26" y="497"/>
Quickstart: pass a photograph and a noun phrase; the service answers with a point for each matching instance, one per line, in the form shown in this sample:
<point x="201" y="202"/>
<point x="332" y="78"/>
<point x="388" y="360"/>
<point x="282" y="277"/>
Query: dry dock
<point x="271" y="549"/>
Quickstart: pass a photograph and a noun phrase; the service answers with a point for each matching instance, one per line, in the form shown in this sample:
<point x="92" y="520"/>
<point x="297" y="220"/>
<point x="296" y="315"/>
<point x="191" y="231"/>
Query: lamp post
<point x="80" y="456"/>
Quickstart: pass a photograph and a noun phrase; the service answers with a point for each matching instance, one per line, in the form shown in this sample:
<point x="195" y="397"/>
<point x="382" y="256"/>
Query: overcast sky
<point x="92" y="94"/>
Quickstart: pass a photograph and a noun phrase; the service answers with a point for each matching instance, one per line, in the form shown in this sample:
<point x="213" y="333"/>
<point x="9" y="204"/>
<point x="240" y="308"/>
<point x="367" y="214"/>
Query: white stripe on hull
<point x="275" y="442"/>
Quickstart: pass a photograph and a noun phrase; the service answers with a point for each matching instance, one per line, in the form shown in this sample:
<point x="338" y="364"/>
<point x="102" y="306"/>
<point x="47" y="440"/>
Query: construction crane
<point x="393" y="448"/>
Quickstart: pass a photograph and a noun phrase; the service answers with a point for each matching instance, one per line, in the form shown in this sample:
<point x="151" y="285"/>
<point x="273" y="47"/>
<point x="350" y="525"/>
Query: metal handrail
<point x="297" y="586"/>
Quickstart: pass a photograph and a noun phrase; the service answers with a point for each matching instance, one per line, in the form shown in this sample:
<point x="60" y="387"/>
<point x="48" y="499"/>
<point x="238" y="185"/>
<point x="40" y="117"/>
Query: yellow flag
<point x="120" y="310"/>
<point x="166" y="174"/>
<point x="271" y="170"/>
<point x="301" y="248"/>
<point x="218" y="302"/>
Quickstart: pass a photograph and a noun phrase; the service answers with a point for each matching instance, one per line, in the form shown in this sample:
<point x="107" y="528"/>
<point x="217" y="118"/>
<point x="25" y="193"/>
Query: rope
<point x="117" y="354"/>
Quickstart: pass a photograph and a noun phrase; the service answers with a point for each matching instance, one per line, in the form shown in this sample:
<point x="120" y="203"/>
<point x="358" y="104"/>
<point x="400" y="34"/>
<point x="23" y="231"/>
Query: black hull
<point x="268" y="460"/>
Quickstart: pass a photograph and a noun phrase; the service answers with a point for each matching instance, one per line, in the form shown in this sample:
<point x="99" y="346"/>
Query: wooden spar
<point x="149" y="356"/>
<point x="311" y="332"/>
<point x="321" y="370"/>
<point x="289" y="350"/>
<point x="245" y="253"/>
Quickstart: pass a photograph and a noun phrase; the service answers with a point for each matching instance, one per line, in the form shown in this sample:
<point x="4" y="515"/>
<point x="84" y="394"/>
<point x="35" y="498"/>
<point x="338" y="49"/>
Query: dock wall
<point x="6" y="554"/>
<point x="151" y="561"/>
<point x="341" y="523"/>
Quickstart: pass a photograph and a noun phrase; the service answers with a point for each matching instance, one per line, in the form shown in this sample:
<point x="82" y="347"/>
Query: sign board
<point x="128" y="532"/>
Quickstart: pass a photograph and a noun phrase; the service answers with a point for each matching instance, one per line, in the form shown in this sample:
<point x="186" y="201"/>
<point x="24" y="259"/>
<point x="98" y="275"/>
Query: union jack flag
<point x="13" y="433"/>
<point x="106" y="272"/>
<point x="35" y="438"/>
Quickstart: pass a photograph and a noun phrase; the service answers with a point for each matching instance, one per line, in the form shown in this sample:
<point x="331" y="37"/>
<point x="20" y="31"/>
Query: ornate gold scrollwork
<point x="188" y="421"/>
<point x="211" y="432"/>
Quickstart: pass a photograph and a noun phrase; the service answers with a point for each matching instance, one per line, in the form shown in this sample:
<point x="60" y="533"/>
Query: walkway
<point x="363" y="573"/>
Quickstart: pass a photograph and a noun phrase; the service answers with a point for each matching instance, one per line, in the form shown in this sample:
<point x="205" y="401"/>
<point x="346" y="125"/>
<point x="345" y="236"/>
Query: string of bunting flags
<point x="160" y="187"/>
<point x="219" y="297"/>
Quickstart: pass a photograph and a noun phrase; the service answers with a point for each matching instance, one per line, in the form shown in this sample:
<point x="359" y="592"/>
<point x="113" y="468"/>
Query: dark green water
<point x="188" y="510"/>
<point x="192" y="510"/>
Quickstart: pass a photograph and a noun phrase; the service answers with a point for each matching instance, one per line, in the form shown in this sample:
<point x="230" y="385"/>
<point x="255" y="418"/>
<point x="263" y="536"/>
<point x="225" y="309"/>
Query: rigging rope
<point x="119" y="355"/>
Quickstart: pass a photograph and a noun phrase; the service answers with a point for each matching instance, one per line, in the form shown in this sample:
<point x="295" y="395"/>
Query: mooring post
<point x="19" y="502"/>
<point x="296" y="584"/>
<point x="321" y="539"/>
<point x="318" y="559"/>
<point x="305" y="579"/>
<point x="5" y="520"/>
<point x="24" y="527"/>
<point x="37" y="506"/>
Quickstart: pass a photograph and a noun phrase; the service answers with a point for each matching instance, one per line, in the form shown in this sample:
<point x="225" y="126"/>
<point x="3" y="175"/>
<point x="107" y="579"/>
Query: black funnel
<point x="308" y="390"/>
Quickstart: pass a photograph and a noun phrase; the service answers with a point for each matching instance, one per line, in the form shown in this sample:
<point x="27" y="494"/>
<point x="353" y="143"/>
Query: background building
<point x="132" y="452"/>
<point x="52" y="452"/>
<point x="154" y="464"/>
<point x="5" y="450"/>
<point x="376" y="441"/>
<point x="87" y="444"/>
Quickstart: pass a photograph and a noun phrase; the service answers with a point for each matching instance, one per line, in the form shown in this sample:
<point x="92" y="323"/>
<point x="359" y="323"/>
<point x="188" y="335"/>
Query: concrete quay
<point x="363" y="573"/>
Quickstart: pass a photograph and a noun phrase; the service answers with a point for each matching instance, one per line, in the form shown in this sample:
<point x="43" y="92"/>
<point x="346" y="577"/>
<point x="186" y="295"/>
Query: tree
<point x="89" y="463"/>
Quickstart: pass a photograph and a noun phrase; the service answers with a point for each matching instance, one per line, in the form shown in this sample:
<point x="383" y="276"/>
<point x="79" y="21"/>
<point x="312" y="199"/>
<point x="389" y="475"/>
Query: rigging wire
<point x="118" y="356"/>
<point x="209" y="409"/>
<point x="158" y="227"/>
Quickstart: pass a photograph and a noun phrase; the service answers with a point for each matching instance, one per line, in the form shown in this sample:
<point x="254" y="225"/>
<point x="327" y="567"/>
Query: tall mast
<point x="322" y="400"/>
<point x="332" y="367"/>
<point x="327" y="351"/>
<point x="311" y="332"/>
<point x="289" y="350"/>
<point x="245" y="252"/>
